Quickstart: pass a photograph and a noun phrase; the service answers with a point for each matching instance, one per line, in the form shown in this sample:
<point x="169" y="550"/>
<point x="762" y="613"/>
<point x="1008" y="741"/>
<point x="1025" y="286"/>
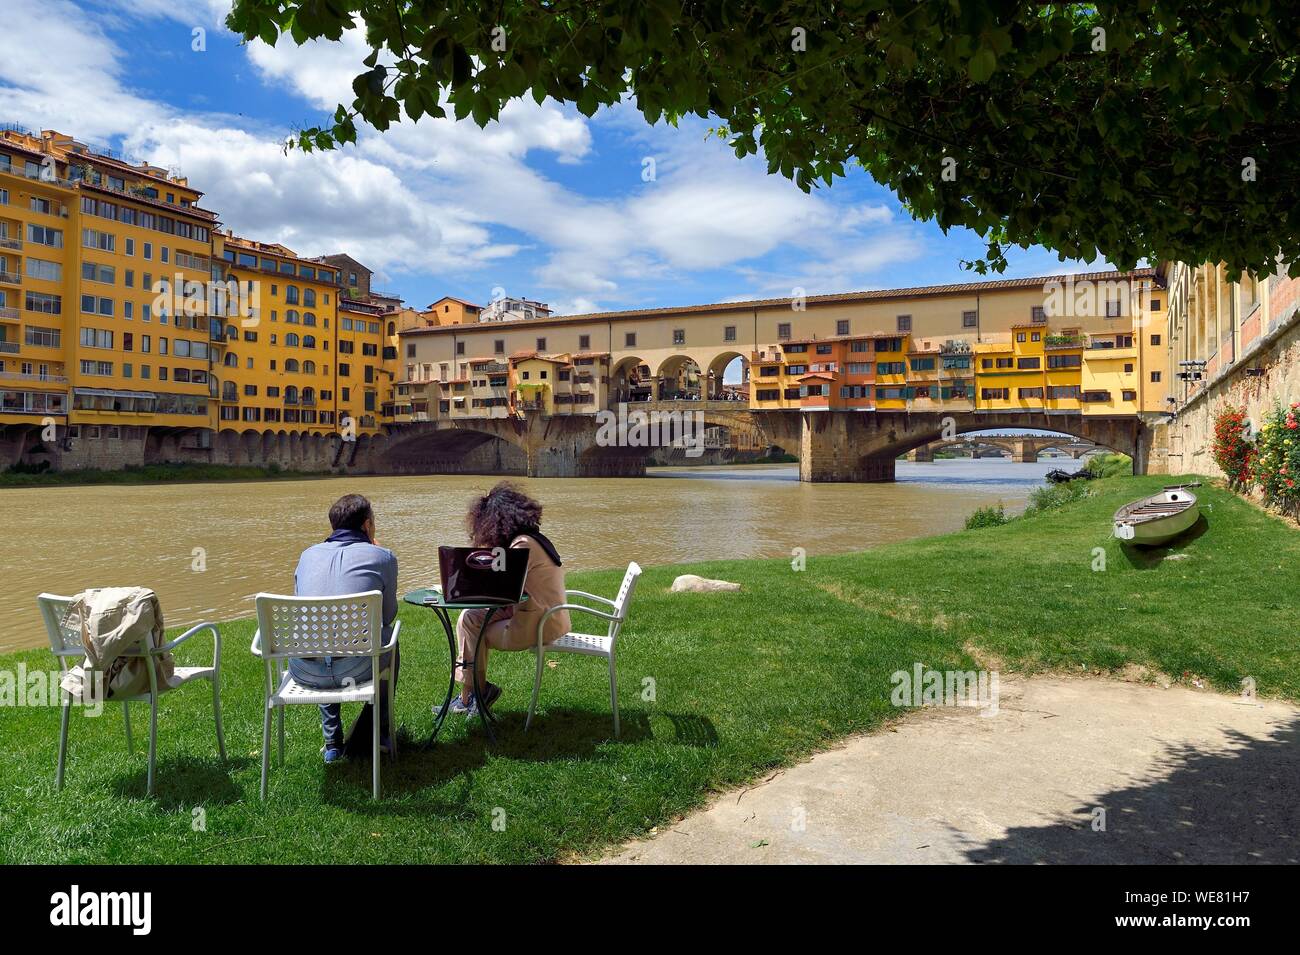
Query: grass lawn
<point x="742" y="683"/>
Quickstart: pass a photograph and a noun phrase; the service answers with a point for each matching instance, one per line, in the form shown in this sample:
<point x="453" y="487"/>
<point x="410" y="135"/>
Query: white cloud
<point x="449" y="199"/>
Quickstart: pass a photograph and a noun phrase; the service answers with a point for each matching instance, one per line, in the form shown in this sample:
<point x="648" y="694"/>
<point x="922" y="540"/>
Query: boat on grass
<point x="1159" y="518"/>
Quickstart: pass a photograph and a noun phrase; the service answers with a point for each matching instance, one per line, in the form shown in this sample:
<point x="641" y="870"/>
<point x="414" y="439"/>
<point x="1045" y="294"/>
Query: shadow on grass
<point x="1238" y="806"/>
<point x="1146" y="558"/>
<point x="185" y="781"/>
<point x="559" y="735"/>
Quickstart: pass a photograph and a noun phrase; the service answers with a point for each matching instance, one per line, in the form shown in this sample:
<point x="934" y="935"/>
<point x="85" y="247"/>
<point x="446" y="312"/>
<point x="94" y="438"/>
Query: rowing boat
<point x="1158" y="518"/>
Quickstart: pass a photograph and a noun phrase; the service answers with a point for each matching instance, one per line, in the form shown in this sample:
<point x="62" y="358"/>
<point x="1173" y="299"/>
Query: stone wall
<point x="1267" y="373"/>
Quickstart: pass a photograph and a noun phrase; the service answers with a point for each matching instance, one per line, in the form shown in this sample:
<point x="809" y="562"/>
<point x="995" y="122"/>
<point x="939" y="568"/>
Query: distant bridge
<point x="1023" y="448"/>
<point x="831" y="445"/>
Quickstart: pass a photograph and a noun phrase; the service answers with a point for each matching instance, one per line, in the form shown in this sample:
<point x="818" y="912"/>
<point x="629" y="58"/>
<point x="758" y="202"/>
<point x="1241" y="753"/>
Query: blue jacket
<point x="334" y="568"/>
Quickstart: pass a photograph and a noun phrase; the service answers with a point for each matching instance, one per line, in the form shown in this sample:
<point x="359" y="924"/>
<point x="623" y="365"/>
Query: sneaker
<point x="460" y="706"/>
<point x="333" y="754"/>
<point x="490" y="694"/>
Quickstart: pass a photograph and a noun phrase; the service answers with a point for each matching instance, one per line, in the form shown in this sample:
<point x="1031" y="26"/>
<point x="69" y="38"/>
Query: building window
<point x="969" y="319"/>
<point x="1129" y="395"/>
<point x="584" y="342"/>
<point x="1113" y="308"/>
<point x="629" y="340"/>
<point x="460" y="348"/>
<point x="541" y="344"/>
<point x="842" y="327"/>
<point x="1155" y="339"/>
<point x="905" y="323"/>
<point x="1155" y="376"/>
<point x="729" y="333"/>
<point x="783" y="331"/>
<point x="679" y="336"/>
<point x="499" y="346"/>
<point x="1128" y="368"/>
<point x="1038" y="314"/>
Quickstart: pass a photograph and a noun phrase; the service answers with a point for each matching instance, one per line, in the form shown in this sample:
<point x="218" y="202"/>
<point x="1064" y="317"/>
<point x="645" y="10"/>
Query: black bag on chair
<point x="486" y="575"/>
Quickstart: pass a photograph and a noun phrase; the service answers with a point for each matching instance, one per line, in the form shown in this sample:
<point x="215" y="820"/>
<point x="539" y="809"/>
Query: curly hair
<point x="499" y="515"/>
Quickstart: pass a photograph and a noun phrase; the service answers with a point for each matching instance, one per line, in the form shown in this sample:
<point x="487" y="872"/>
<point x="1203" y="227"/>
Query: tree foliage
<point x="1140" y="129"/>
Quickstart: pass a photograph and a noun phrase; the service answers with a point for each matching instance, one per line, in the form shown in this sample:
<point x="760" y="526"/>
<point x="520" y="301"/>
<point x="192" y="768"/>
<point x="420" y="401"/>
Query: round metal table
<point x="432" y="598"/>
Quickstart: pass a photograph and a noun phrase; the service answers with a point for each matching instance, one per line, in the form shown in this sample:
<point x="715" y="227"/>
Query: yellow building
<point x="99" y="339"/>
<point x="1111" y="375"/>
<point x="536" y="379"/>
<point x="452" y="311"/>
<point x="891" y="372"/>
<point x="280" y="370"/>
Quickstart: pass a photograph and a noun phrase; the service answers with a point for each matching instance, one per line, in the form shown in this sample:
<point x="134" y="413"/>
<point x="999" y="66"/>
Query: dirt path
<point x="1175" y="775"/>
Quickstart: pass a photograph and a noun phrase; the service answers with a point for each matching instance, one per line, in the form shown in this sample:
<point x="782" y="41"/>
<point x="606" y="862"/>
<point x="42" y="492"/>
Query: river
<point x="207" y="548"/>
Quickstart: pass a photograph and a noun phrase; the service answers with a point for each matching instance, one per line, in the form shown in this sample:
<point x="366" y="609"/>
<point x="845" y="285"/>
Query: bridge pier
<point x="1024" y="452"/>
<point x="923" y="454"/>
<point x="829" y="453"/>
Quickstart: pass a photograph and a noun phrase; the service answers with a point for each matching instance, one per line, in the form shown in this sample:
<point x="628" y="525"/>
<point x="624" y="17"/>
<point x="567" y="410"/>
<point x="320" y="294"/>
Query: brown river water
<point x="208" y="548"/>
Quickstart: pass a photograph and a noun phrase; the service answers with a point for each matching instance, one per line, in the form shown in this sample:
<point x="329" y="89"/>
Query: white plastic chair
<point x="346" y="626"/>
<point x="591" y="645"/>
<point x="66" y="642"/>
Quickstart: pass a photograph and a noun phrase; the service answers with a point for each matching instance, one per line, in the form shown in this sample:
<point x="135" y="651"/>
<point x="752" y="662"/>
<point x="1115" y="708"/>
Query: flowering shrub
<point x="1233" y="452"/>
<point x="1276" y="464"/>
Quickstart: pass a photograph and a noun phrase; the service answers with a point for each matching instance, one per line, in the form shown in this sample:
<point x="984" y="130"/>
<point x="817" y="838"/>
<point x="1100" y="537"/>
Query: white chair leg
<point x="279" y="712"/>
<point x="392" y="719"/>
<point x="537" y="685"/>
<point x="126" y="721"/>
<point x="374" y="738"/>
<point x="153" y="741"/>
<point x="63" y="739"/>
<point x="266" y="746"/>
<point x="216" y="715"/>
<point x="613" y="692"/>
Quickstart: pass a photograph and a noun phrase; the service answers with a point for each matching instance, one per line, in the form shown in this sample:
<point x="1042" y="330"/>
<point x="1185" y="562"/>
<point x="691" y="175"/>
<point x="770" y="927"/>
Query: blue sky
<point x="545" y="204"/>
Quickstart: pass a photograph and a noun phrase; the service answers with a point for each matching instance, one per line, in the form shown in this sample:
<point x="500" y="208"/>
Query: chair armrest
<point x="256" y="648"/>
<point x="392" y="640"/>
<point x="583" y="593"/>
<point x="197" y="628"/>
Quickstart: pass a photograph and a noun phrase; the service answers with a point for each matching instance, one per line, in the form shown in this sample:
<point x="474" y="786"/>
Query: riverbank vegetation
<point x="148" y="474"/>
<point x="717" y="690"/>
<point x="1109" y="465"/>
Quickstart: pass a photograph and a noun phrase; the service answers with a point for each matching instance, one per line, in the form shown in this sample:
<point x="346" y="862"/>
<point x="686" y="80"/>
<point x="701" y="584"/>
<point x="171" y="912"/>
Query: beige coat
<point x="112" y="621"/>
<point x="545" y="589"/>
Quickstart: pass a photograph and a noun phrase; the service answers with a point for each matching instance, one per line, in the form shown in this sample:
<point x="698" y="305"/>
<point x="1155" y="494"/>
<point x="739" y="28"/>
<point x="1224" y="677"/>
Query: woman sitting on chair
<point x="506" y="517"/>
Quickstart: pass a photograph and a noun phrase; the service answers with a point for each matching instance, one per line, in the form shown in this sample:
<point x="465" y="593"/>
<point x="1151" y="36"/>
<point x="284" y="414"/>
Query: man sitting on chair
<point x="347" y="562"/>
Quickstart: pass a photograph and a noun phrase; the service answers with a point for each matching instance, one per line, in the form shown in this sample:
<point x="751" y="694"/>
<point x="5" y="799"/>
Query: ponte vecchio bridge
<point x="848" y="383"/>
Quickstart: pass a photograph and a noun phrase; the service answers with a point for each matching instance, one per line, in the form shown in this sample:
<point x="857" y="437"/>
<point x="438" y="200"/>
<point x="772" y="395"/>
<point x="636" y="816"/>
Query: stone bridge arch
<point x="454" y="446"/>
<point x="716" y="369"/>
<point x="627" y="383"/>
<point x="663" y="421"/>
<point x="864" y="447"/>
<point x="679" y="376"/>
